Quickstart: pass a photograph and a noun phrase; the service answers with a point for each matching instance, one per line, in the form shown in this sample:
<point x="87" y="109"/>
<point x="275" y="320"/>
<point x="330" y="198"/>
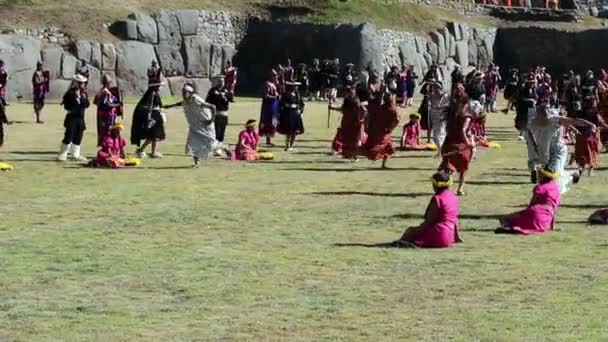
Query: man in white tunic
<point x="439" y="101"/>
<point x="201" y="132"/>
<point x="546" y="144"/>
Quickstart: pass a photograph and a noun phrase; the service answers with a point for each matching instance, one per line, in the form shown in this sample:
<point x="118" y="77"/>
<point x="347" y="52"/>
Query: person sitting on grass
<point x="410" y="137"/>
<point x="440" y="226"/>
<point x="247" y="146"/>
<point x="112" y="153"/>
<point x="540" y="214"/>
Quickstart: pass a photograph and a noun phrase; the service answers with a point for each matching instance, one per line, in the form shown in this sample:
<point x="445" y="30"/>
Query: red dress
<point x="350" y="129"/>
<point x="382" y="122"/>
<point x="457" y="154"/>
<point x="411" y="135"/>
<point x="587" y="148"/>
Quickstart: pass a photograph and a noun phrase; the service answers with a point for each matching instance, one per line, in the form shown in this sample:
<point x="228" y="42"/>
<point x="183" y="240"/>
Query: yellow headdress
<point x="547" y="172"/>
<point x="117" y="126"/>
<point x="439" y="184"/>
<point x="415" y="115"/>
<point x="251" y="123"/>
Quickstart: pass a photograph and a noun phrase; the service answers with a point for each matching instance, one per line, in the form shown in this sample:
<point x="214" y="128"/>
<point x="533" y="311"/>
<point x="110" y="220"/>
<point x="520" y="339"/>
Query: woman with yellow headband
<point x="540" y="214"/>
<point x="112" y="153"/>
<point x="247" y="146"/>
<point x="440" y="226"/>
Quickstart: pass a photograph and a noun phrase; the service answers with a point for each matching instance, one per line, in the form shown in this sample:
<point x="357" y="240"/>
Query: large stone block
<point x="108" y="57"/>
<point x="433" y="51"/>
<point x="59" y="88"/>
<point x="488" y="43"/>
<point x="188" y="21"/>
<point x="370" y="45"/>
<point x="462" y="53"/>
<point x="201" y="85"/>
<point x="473" y="52"/>
<point x="52" y="61"/>
<point x="455" y="30"/>
<point x="170" y="59"/>
<point x="90" y="51"/>
<point x="408" y="53"/>
<point x="439" y="41"/>
<point x="69" y="66"/>
<point x="124" y="29"/>
<point x="420" y="45"/>
<point x="446" y="38"/>
<point x="168" y="28"/>
<point x="216" y="60"/>
<point x="20" y="53"/>
<point x="452" y="52"/>
<point x="197" y="52"/>
<point x="94" y="79"/>
<point x="228" y="53"/>
<point x="176" y="84"/>
<point x="146" y="28"/>
<point x="133" y="60"/>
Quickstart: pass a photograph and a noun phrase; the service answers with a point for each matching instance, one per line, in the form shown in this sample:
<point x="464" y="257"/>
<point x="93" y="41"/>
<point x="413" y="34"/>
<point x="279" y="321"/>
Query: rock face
<point x="197" y="52"/>
<point x="170" y="59"/>
<point x="168" y="28"/>
<point x="132" y="65"/>
<point x="20" y="53"/>
<point x="108" y="56"/>
<point x="52" y="61"/>
<point x="146" y="28"/>
<point x="69" y="64"/>
<point x="90" y="51"/>
<point x="124" y="29"/>
<point x="188" y="22"/>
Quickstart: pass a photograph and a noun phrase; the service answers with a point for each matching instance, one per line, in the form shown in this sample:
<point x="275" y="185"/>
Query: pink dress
<point x="540" y="214"/>
<point x="109" y="155"/>
<point x="410" y="135"/>
<point x="246" y="148"/>
<point x="440" y="227"/>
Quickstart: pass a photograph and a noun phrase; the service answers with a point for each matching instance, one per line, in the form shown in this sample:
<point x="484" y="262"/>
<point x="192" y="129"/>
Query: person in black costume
<point x="148" y="122"/>
<point x="290" y="119"/>
<point x="75" y="102"/>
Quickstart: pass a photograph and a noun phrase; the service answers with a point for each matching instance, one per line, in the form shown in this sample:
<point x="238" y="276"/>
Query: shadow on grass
<point x="409" y="156"/>
<point x="374" y="245"/>
<point x="362" y="169"/>
<point x="166" y="167"/>
<point x="33" y="152"/>
<point x="506" y="174"/>
<point x="495" y="182"/>
<point x="406" y="216"/>
<point x="583" y="206"/>
<point x="306" y="162"/>
<point x="316" y="141"/>
<point x="373" y="194"/>
<point x="53" y="160"/>
<point x="314" y="153"/>
<point x="573" y="222"/>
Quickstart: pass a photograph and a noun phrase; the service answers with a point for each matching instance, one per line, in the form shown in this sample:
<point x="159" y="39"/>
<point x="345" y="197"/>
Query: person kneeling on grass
<point x="540" y="214"/>
<point x="410" y="137"/>
<point x="112" y="152"/>
<point x="440" y="226"/>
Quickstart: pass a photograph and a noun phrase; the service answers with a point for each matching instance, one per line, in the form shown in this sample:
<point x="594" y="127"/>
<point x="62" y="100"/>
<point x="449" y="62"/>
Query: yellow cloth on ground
<point x="265" y="156"/>
<point x="6" y="167"/>
<point x="492" y="144"/>
<point x="132" y="161"/>
<point x="431" y="147"/>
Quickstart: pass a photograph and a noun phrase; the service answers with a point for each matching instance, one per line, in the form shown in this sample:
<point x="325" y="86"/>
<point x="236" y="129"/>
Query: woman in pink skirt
<point x="540" y="214"/>
<point x="247" y="147"/>
<point x="440" y="226"/>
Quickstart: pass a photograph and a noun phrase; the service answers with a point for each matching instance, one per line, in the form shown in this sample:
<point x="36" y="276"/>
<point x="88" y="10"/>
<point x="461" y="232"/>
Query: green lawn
<point x="237" y="251"/>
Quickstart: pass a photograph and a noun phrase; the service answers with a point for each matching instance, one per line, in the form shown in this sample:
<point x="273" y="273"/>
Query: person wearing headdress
<point x="84" y="71"/>
<point x="410" y="136"/>
<point x="440" y="226"/>
<point x="315" y="79"/>
<point x="587" y="144"/>
<point x="491" y="84"/>
<point x="439" y="102"/>
<point x="348" y="137"/>
<point x="391" y="79"/>
<point x="511" y="89"/>
<point x="476" y="89"/>
<point x="602" y="105"/>
<point x="545" y="91"/>
<point x="546" y="145"/>
<point x="75" y="102"/>
<point x="231" y="76"/>
<point x="247" y="145"/>
<point x="154" y="74"/>
<point x="410" y="85"/>
<point x="107" y="106"/>
<point x="112" y="153"/>
<point x="303" y="78"/>
<point x="218" y="96"/>
<point x="290" y="118"/>
<point x="457" y="149"/>
<point x="148" y="124"/>
<point x="381" y="124"/>
<point x="3" y="82"/>
<point x="574" y="97"/>
<point x="540" y="214"/>
<point x="200" y="116"/>
<point x="526" y="104"/>
<point x="269" y="114"/>
<point x="40" y="82"/>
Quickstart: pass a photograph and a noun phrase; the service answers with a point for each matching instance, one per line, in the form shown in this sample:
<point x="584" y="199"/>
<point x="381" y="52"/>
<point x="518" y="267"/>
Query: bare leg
<point x="384" y="160"/>
<point x="292" y="140"/>
<point x="287" y="143"/>
<point x="153" y="143"/>
<point x="461" y="180"/>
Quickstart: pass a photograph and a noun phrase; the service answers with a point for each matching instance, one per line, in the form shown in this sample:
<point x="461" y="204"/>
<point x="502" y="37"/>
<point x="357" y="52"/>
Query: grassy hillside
<point x="85" y="18"/>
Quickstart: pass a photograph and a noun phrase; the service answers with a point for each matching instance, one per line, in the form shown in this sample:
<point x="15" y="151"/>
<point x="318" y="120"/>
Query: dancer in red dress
<point x="350" y="126"/>
<point x="381" y="124"/>
<point x="457" y="150"/>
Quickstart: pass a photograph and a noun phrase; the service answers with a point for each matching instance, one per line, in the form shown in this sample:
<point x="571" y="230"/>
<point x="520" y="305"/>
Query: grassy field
<point x="238" y="251"/>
